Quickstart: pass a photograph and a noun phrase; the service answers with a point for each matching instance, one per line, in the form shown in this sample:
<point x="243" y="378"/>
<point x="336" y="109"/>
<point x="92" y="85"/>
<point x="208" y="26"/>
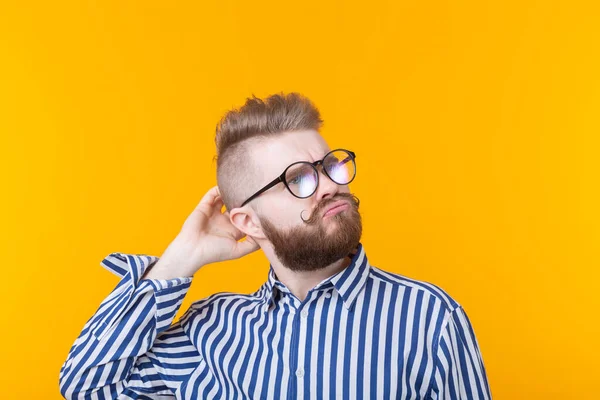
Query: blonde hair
<point x="257" y="119"/>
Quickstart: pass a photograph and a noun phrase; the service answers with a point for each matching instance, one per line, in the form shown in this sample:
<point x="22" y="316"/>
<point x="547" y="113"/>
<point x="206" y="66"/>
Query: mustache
<point x="316" y="215"/>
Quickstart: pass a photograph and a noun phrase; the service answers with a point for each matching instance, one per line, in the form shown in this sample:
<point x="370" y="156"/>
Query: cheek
<point x="286" y="212"/>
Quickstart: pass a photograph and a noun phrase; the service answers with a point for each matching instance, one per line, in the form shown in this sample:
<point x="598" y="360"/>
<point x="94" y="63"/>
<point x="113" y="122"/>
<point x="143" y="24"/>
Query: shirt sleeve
<point x="459" y="368"/>
<point x="164" y="368"/>
<point x="114" y="342"/>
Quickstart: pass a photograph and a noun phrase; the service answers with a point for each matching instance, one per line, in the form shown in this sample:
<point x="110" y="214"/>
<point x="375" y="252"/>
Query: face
<point x="303" y="235"/>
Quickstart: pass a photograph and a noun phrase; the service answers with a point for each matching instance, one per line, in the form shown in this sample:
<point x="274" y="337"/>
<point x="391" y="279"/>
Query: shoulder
<point x="429" y="290"/>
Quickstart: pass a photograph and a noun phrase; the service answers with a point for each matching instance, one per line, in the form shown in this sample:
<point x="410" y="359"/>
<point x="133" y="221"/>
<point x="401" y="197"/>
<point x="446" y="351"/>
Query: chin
<point x="336" y="219"/>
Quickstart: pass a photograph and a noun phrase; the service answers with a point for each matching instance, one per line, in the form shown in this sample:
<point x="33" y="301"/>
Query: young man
<point x="326" y="324"/>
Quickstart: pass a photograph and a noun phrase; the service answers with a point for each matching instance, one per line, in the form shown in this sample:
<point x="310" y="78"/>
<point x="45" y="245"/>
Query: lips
<point x="341" y="204"/>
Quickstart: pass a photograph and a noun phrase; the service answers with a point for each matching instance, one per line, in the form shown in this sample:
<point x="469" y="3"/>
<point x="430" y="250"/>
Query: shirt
<point x="362" y="333"/>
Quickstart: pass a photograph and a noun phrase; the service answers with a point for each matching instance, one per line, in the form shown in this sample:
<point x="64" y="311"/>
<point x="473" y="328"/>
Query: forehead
<point x="273" y="155"/>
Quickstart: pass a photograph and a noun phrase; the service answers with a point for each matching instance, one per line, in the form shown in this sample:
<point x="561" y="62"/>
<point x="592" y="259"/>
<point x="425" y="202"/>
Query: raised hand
<point x="207" y="236"/>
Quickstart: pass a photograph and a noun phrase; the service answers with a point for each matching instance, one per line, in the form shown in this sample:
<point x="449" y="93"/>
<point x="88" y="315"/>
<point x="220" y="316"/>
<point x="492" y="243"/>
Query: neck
<point x="300" y="282"/>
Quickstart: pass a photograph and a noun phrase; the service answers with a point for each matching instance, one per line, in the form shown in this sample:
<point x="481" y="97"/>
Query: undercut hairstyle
<point x="256" y="120"/>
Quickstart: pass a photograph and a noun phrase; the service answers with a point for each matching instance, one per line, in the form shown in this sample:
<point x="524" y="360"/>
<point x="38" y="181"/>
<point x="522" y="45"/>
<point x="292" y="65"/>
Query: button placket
<point x="297" y="355"/>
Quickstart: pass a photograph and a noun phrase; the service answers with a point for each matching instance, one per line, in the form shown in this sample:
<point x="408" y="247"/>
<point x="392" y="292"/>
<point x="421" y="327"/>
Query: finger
<point x="218" y="204"/>
<point x="231" y="231"/>
<point x="210" y="196"/>
<point x="246" y="247"/>
<point x="237" y="234"/>
<point x="203" y="208"/>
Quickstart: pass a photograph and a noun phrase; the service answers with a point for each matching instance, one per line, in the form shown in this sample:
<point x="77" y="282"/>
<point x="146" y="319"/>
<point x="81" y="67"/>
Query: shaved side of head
<point x="239" y="130"/>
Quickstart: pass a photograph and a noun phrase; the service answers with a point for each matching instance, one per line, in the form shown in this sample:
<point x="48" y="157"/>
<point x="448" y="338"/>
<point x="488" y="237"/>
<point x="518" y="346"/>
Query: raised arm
<point x="114" y="341"/>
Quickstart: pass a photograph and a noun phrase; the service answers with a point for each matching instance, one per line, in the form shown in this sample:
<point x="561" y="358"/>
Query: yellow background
<point x="475" y="124"/>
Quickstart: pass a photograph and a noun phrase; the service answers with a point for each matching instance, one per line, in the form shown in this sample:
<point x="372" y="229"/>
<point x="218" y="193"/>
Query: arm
<point x="459" y="369"/>
<point x="118" y="338"/>
<point x="161" y="371"/>
<point x="113" y="343"/>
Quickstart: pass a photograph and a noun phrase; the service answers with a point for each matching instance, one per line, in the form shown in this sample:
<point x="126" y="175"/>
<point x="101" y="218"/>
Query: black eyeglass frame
<point x="281" y="178"/>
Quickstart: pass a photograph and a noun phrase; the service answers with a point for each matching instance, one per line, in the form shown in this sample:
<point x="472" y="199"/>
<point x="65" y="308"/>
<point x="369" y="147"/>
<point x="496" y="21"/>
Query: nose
<point x="326" y="188"/>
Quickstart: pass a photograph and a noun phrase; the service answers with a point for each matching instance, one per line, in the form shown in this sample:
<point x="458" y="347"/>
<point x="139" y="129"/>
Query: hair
<point x="258" y="119"/>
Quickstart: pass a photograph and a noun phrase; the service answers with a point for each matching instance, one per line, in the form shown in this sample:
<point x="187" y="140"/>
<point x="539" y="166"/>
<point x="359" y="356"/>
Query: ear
<point x="246" y="220"/>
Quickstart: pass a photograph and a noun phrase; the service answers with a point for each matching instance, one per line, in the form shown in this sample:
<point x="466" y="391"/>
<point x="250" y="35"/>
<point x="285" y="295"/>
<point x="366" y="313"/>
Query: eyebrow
<point x="323" y="156"/>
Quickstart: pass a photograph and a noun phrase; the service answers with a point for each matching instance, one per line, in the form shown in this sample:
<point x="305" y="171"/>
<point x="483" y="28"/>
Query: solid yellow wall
<point x="475" y="124"/>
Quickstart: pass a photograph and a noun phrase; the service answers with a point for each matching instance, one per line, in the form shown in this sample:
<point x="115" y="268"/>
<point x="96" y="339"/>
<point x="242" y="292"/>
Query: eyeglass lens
<point x="302" y="178"/>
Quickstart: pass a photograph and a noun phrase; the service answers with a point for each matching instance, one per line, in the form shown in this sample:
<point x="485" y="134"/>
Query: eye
<point x="295" y="180"/>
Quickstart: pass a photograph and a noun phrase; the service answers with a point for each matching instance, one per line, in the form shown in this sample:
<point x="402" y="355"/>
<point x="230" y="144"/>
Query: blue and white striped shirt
<point x="362" y="333"/>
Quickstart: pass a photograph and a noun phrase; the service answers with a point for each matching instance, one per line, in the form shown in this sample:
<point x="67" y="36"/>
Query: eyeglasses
<point x="302" y="178"/>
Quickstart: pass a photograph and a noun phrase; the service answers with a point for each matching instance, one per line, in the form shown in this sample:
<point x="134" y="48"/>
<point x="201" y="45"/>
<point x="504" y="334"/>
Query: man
<point x="326" y="324"/>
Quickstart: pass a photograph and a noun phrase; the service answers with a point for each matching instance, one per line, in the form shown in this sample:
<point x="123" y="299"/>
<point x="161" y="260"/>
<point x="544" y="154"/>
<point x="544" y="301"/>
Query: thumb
<point x="246" y="247"/>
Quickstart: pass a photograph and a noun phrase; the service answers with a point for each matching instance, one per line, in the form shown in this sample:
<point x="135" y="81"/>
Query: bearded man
<point x="326" y="323"/>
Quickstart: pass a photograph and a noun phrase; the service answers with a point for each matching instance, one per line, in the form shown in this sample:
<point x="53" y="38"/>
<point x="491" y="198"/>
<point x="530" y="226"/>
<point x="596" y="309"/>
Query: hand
<point x="207" y="236"/>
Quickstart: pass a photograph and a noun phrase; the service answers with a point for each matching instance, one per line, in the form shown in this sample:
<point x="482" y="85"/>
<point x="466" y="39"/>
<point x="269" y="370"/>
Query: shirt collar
<point x="348" y="282"/>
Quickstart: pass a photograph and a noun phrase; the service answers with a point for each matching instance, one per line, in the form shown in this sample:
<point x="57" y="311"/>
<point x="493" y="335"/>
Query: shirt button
<point x="304" y="313"/>
<point x="328" y="295"/>
<point x="300" y="373"/>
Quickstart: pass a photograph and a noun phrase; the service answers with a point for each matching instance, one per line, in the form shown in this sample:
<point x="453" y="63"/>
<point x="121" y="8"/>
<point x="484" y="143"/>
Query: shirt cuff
<point x="168" y="293"/>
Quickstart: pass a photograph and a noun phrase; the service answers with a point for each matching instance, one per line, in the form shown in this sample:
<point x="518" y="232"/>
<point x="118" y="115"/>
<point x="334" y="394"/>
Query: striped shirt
<point x="362" y="333"/>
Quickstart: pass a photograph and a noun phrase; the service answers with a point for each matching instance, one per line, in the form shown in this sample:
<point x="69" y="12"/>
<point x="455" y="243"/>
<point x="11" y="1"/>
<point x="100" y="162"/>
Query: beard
<point x="314" y="246"/>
